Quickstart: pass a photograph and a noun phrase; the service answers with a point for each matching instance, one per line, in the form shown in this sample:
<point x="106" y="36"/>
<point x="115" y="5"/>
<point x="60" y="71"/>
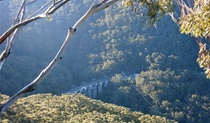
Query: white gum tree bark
<point x="71" y="31"/>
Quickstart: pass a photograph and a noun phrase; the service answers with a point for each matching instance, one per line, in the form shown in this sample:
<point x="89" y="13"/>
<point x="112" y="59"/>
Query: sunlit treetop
<point x="155" y="8"/>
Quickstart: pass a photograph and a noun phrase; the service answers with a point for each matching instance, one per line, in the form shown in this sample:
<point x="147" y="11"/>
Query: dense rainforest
<point x="170" y="82"/>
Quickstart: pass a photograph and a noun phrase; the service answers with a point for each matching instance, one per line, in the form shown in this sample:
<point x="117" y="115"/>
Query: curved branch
<point x="100" y="6"/>
<point x="31" y="2"/>
<point x="29" y="20"/>
<point x="13" y="28"/>
<point x="19" y="12"/>
<point x="19" y="17"/>
<point x="20" y="23"/>
<point x="71" y="31"/>
<point x="30" y="87"/>
<point x="57" y="7"/>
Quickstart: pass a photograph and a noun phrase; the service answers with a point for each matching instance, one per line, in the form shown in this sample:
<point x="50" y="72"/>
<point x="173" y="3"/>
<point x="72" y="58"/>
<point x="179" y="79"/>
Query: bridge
<point x="90" y="89"/>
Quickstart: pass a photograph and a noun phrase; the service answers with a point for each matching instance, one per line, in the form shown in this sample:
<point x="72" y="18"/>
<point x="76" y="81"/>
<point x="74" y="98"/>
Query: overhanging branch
<point x="71" y="31"/>
<point x="29" y="20"/>
<point x="20" y="22"/>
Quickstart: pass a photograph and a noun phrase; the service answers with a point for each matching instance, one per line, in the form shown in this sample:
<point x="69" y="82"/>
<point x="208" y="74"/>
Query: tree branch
<point x="57" y="6"/>
<point x="31" y="2"/>
<point x="29" y="20"/>
<point x="18" y="22"/>
<point x="71" y="31"/>
<point x="19" y="17"/>
<point x="41" y="8"/>
<point x="16" y="26"/>
<point x="100" y="6"/>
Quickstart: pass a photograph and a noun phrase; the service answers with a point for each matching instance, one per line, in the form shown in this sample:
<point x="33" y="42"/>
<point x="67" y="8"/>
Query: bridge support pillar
<point x="89" y="92"/>
<point x="106" y="83"/>
<point x="100" y="87"/>
<point x="94" y="90"/>
<point x="83" y="91"/>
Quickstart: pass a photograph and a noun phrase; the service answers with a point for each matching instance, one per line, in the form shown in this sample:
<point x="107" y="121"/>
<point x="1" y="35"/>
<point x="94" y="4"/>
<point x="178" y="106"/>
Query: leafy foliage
<point x="203" y="59"/>
<point x="154" y="9"/>
<point x="196" y="20"/>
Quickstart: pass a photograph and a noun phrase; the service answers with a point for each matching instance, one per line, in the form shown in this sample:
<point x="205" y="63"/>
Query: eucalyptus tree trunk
<point x="71" y="31"/>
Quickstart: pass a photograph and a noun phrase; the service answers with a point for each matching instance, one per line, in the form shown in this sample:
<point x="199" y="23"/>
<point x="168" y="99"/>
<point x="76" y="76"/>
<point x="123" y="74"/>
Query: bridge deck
<point x="87" y="84"/>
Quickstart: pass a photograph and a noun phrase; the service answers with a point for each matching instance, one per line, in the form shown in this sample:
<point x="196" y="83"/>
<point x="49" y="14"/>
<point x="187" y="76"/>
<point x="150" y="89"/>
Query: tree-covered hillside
<point x="71" y="109"/>
<point x="179" y="95"/>
<point x="110" y="42"/>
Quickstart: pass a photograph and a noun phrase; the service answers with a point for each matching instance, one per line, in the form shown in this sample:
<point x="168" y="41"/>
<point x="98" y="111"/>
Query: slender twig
<point x="17" y="19"/>
<point x="56" y="6"/>
<point x="40" y="9"/>
<point x="10" y="40"/>
<point x="28" y="3"/>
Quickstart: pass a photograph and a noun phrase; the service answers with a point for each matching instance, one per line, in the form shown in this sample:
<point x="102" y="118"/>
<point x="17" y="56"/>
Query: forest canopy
<point x="71" y="109"/>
